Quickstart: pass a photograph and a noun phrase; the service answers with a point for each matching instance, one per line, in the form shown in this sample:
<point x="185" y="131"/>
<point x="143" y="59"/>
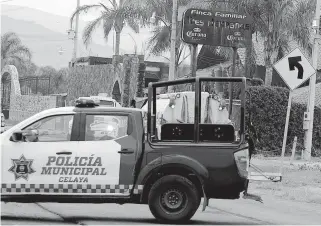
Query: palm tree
<point x="160" y="42"/>
<point x="114" y="16"/>
<point x="161" y="39"/>
<point x="13" y="51"/>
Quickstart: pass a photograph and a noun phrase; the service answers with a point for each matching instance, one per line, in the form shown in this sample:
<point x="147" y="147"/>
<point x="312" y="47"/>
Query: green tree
<point x="160" y="41"/>
<point x="28" y="69"/>
<point x="60" y="81"/>
<point x="57" y="79"/>
<point x="113" y="16"/>
<point x="13" y="51"/>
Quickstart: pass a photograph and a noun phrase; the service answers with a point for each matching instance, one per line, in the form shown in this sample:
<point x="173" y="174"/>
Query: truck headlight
<point x="242" y="162"/>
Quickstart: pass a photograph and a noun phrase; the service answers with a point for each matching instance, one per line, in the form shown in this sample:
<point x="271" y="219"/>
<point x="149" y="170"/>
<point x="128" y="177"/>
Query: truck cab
<point x="106" y="156"/>
<point x="3" y="124"/>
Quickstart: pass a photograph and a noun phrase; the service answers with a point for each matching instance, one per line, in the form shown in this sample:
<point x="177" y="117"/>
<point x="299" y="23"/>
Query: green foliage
<point x="256" y="82"/>
<point x="89" y="81"/>
<point x="112" y="16"/>
<point x="268" y="108"/>
<point x="83" y="81"/>
<point x="126" y="88"/>
<point x="141" y="80"/>
<point x="13" y="51"/>
<point x="57" y="78"/>
<point x="28" y="69"/>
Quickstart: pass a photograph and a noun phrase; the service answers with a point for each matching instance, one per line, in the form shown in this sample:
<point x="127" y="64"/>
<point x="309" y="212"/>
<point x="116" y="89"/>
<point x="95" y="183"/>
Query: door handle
<point x="64" y="153"/>
<point x="126" y="151"/>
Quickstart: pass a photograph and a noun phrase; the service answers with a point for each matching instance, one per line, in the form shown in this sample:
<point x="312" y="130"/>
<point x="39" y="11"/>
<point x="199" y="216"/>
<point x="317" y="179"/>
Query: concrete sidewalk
<point x="272" y="211"/>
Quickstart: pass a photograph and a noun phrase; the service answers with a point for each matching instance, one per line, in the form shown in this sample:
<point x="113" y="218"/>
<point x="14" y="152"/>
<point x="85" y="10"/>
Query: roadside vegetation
<point x="301" y="181"/>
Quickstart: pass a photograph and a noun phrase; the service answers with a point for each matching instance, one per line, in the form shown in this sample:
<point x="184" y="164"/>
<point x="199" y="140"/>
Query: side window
<point x="105" y="127"/>
<point x="52" y="129"/>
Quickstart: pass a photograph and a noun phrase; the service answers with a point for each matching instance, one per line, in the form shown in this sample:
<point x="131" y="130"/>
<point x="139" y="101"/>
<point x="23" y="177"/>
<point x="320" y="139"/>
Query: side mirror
<point x="30" y="135"/>
<point x="16" y="137"/>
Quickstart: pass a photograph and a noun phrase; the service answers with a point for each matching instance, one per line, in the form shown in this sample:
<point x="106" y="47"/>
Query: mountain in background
<point x="46" y="44"/>
<point x="45" y="34"/>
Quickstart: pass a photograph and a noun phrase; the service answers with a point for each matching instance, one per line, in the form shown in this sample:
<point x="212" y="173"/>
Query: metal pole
<point x="193" y="60"/>
<point x="172" y="68"/>
<point x="231" y="84"/>
<point x="37" y="79"/>
<point x="193" y="63"/>
<point x="310" y="108"/>
<point x="293" y="149"/>
<point x="76" y="34"/>
<point x="286" y="130"/>
<point x="49" y="87"/>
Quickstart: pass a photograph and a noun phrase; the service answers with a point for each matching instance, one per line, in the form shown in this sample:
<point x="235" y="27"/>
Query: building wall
<point x="24" y="106"/>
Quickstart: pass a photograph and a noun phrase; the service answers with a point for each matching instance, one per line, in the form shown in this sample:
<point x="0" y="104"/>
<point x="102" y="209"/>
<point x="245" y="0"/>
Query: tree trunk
<point x="118" y="28"/>
<point x="141" y="80"/>
<point x="270" y="55"/>
<point x="117" y="43"/>
<point x="268" y="75"/>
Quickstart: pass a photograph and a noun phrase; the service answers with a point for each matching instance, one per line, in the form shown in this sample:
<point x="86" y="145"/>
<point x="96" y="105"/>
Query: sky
<point x="58" y="7"/>
<point x="66" y="7"/>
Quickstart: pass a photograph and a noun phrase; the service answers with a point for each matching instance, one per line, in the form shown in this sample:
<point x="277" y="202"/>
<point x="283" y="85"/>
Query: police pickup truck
<point x="3" y="124"/>
<point x="106" y="157"/>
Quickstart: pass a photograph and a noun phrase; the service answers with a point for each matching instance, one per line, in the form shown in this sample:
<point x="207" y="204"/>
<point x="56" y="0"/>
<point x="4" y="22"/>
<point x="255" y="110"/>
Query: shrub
<point x="268" y="111"/>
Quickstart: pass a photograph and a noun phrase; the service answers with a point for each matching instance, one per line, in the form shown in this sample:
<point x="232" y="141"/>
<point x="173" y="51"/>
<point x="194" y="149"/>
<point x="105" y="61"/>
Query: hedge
<point x="268" y="111"/>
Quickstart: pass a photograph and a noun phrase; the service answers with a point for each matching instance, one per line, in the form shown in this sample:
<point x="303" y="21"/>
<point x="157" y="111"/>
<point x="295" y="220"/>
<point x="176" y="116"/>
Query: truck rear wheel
<point x="173" y="199"/>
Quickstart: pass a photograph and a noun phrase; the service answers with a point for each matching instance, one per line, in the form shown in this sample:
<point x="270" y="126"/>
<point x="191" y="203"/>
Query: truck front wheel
<point x="173" y="199"/>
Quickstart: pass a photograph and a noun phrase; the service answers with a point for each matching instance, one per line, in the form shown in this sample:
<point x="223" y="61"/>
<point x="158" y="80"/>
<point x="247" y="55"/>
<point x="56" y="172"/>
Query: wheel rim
<point x="173" y="200"/>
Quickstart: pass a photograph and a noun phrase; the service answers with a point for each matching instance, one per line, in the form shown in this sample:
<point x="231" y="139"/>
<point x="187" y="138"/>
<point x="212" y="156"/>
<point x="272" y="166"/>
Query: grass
<point x="300" y="182"/>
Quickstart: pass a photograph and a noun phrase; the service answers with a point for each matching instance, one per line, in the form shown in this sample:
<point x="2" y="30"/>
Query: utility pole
<point x="310" y="107"/>
<point x="74" y="56"/>
<point x="172" y="61"/>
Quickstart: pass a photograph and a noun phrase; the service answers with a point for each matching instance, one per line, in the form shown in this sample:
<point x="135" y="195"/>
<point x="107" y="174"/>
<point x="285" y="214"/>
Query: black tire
<point x="173" y="199"/>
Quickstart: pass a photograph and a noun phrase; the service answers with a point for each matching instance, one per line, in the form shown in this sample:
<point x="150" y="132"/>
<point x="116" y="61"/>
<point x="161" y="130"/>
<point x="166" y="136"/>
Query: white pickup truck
<point x="3" y="124"/>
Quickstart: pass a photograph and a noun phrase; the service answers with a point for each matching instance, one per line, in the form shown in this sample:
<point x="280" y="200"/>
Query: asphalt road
<point x="219" y="212"/>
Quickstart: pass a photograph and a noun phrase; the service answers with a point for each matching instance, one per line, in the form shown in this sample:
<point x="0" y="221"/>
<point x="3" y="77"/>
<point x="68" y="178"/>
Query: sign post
<point x="294" y="69"/>
<point x="285" y="135"/>
<point x="231" y="84"/>
<point x="216" y="28"/>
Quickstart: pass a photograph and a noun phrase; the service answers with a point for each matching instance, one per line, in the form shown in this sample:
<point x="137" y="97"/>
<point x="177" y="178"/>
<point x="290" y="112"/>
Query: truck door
<point x="109" y="143"/>
<point x="36" y="165"/>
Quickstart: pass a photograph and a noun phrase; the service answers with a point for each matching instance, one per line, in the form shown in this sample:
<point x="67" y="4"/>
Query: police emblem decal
<point x="22" y="168"/>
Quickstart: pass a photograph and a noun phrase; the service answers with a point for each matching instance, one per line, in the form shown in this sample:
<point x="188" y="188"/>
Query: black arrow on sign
<point x="294" y="62"/>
